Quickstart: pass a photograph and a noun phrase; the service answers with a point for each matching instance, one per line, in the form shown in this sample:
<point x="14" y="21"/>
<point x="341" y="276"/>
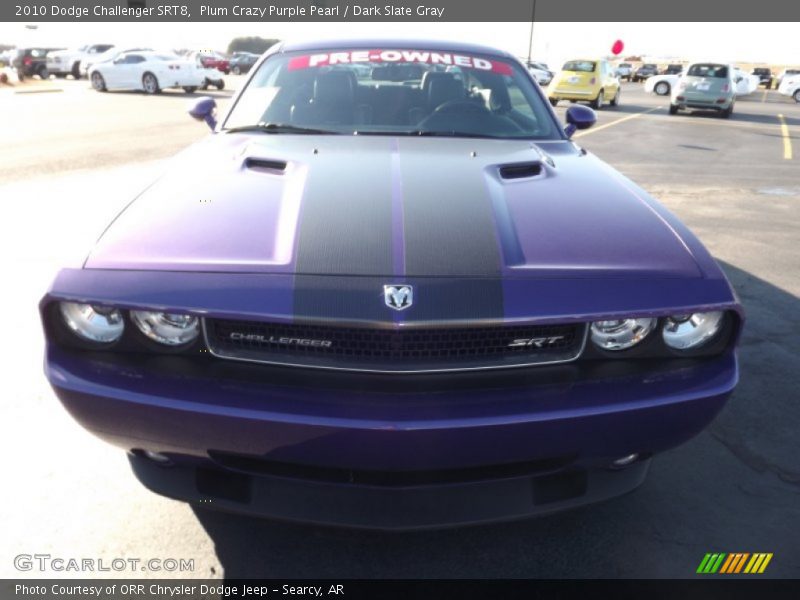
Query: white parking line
<point x="787" y="142"/>
<point x="617" y="122"/>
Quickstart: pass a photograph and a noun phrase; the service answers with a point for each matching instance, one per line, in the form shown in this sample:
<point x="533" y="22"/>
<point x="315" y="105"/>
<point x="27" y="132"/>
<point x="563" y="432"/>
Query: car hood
<point x="394" y="206"/>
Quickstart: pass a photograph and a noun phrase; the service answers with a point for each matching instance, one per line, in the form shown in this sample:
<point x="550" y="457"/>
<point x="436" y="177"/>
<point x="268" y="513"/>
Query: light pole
<point x="530" y="39"/>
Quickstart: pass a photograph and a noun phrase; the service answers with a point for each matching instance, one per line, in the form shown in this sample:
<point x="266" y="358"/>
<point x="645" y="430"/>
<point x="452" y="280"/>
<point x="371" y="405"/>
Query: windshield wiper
<point x="287" y="128"/>
<point x="458" y="134"/>
<point x="279" y="128"/>
<point x="429" y="133"/>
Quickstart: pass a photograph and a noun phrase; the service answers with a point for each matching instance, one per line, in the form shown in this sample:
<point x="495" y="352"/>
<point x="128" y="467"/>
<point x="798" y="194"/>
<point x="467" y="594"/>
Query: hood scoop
<point x="521" y="170"/>
<point x="265" y="165"/>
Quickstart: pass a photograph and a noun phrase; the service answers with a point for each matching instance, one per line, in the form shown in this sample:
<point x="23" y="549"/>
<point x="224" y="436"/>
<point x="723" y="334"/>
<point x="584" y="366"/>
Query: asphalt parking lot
<point x="70" y="158"/>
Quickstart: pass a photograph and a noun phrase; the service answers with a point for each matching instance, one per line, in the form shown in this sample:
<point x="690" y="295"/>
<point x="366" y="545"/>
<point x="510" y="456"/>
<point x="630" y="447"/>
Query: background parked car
<point x="673" y="69"/>
<point x="108" y="55"/>
<point x="540" y="72"/>
<point x="706" y="86"/>
<point x="645" y="71"/>
<point x="147" y="71"/>
<point x="214" y="60"/>
<point x="745" y="83"/>
<point x="583" y="80"/>
<point x="624" y="71"/>
<point x="68" y="62"/>
<point x="242" y="62"/>
<point x="6" y="57"/>
<point x="790" y="86"/>
<point x="785" y="73"/>
<point x="31" y="61"/>
<point x="213" y="77"/>
<point x="741" y="82"/>
<point x="661" y="84"/>
<point x="764" y="75"/>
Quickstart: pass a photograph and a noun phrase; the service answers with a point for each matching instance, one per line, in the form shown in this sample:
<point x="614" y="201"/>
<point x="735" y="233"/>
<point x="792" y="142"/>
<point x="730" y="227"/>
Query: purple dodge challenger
<point x="390" y="292"/>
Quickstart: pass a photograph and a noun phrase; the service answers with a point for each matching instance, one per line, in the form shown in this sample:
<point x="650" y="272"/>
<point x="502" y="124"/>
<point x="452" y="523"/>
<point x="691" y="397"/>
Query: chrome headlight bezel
<point x="692" y="331"/>
<point x="95" y="324"/>
<point x="621" y="334"/>
<point x="170" y="329"/>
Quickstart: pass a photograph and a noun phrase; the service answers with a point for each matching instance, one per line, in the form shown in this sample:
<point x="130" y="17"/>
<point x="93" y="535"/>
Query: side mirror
<point x="579" y="117"/>
<point x="203" y="109"/>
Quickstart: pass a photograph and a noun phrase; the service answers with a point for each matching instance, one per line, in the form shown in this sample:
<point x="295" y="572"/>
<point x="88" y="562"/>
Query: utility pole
<point x="530" y="39"/>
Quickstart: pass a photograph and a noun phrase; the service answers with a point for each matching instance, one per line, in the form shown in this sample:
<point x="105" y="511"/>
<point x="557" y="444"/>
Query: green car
<point x="707" y="86"/>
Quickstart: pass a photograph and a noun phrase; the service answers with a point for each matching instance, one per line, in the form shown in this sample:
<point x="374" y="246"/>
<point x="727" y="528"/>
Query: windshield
<point x="580" y="66"/>
<point x="393" y="92"/>
<point x="703" y="70"/>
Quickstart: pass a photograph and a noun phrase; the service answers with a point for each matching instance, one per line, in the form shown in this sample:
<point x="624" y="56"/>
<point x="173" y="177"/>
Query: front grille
<point x="392" y="349"/>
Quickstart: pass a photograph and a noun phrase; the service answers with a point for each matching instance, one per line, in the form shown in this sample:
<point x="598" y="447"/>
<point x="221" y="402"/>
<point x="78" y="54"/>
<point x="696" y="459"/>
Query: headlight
<point x="170" y="329"/>
<point x="683" y="332"/>
<point x="621" y="333"/>
<point x="92" y="322"/>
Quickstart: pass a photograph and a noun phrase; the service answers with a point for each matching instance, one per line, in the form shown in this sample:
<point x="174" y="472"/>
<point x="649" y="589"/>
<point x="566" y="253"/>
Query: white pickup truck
<point x="68" y="62"/>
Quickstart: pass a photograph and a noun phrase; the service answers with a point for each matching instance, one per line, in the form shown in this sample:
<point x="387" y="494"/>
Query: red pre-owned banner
<point x="394" y="56"/>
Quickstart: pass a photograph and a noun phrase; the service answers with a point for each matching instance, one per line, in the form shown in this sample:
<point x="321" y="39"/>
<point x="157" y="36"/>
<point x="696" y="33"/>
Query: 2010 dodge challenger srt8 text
<point x="389" y="291"/>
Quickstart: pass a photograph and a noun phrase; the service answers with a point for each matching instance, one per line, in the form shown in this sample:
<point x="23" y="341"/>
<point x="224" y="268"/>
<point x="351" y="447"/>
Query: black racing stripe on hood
<point x="435" y="300"/>
<point x="345" y="223"/>
<point x="449" y="225"/>
<point x="450" y="231"/>
<point x="438" y="300"/>
<point x="340" y="298"/>
<point x="449" y="238"/>
<point x="344" y="230"/>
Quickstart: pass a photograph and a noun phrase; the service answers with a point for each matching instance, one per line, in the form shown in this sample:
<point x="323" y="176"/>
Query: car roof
<point x="147" y="52"/>
<point x="711" y="62"/>
<point x="401" y="43"/>
<point x="127" y="50"/>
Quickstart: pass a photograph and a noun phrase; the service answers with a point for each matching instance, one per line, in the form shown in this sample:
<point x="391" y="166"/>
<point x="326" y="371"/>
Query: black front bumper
<point x="389" y="507"/>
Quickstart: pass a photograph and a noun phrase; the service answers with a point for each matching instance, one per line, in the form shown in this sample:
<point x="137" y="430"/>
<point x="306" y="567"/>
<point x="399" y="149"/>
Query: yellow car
<point x="589" y="80"/>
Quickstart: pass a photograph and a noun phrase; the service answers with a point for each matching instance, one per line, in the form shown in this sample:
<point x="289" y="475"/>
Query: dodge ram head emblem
<point x="398" y="297"/>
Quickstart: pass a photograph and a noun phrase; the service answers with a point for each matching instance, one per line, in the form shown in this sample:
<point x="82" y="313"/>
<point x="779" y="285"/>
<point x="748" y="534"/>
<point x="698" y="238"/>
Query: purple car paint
<point x="399" y="270"/>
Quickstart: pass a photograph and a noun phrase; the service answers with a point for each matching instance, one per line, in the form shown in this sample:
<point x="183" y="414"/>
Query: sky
<point x="774" y="43"/>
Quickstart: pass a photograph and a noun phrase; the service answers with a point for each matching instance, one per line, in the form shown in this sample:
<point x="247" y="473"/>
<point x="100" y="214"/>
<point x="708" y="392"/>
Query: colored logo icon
<point x="733" y="563"/>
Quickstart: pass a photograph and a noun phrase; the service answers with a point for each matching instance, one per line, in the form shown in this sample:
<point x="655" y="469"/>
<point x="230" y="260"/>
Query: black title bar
<point x="710" y="588"/>
<point x="264" y="11"/>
